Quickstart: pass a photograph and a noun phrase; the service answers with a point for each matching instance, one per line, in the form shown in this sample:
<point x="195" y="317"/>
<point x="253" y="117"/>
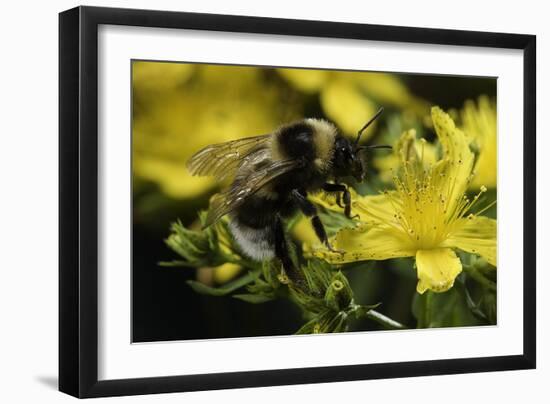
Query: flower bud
<point x="339" y="294"/>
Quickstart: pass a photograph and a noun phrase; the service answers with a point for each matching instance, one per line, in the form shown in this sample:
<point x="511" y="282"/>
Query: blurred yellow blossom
<point x="351" y="98"/>
<point x="209" y="104"/>
<point x="344" y="104"/>
<point x="426" y="217"/>
<point x="303" y="231"/>
<point x="159" y="76"/>
<point x="308" y="81"/>
<point x="226" y="272"/>
<point x="479" y="123"/>
<point x="387" y="89"/>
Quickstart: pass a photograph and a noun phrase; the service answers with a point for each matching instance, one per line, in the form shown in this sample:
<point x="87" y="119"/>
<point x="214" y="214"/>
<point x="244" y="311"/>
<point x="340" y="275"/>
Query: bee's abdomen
<point x="256" y="242"/>
<point x="252" y="224"/>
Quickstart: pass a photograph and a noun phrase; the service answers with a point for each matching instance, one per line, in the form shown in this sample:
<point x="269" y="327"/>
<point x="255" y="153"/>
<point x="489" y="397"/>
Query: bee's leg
<point x="339" y="199"/>
<point x="310" y="211"/>
<point x="338" y="191"/>
<point x="281" y="251"/>
<point x="328" y="187"/>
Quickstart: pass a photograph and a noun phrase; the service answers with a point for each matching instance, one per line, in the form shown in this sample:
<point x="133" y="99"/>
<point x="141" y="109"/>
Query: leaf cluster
<point x="322" y="293"/>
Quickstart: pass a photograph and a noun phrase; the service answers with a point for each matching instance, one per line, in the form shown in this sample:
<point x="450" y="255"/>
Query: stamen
<point x="425" y="203"/>
<point x="486" y="207"/>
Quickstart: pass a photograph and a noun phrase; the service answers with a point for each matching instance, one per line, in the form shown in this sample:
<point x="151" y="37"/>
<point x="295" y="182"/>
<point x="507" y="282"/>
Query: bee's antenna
<point x="375" y="146"/>
<point x="367" y="125"/>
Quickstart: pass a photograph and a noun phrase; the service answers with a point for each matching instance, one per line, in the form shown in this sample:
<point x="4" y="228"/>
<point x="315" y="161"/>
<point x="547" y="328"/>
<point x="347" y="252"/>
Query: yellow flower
<point x="428" y="215"/>
<point x="180" y="108"/>
<point x="350" y="98"/>
<point x="159" y="76"/>
<point x="308" y="81"/>
<point x="344" y="104"/>
<point x="479" y="123"/>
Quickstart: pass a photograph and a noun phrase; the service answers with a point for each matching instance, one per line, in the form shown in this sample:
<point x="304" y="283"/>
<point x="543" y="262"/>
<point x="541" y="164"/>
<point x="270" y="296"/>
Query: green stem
<point x="383" y="320"/>
<point x="427" y="311"/>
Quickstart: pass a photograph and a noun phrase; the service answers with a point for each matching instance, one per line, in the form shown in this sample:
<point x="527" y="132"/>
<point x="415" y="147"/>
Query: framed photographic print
<point x="251" y="201"/>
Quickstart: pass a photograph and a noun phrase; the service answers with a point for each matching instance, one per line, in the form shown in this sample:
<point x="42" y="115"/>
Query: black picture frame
<point x="78" y="201"/>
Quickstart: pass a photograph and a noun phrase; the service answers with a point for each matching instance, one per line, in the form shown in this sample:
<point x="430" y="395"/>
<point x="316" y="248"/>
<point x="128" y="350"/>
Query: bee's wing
<point x="230" y="199"/>
<point x="222" y="160"/>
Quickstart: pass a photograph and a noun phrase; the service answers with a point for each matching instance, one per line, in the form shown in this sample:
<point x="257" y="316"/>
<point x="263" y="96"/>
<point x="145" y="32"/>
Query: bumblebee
<point x="271" y="176"/>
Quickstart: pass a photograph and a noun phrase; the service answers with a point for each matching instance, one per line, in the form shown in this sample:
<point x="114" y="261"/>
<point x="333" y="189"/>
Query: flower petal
<point x="328" y="200"/>
<point x="377" y="209"/>
<point x="308" y="81"/>
<point x="456" y="166"/>
<point x="360" y="244"/>
<point x="173" y="181"/>
<point x="476" y="235"/>
<point x="348" y="107"/>
<point x="160" y="76"/>
<point x="387" y="89"/>
<point x="437" y="269"/>
<point x="479" y="122"/>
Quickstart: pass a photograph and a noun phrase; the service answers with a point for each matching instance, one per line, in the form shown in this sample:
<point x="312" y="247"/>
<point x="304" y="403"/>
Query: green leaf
<point x="475" y="308"/>
<point x="174" y="263"/>
<point x="196" y="247"/>
<point x="326" y="322"/>
<point x="448" y="309"/>
<point x="334" y="221"/>
<point x="363" y="310"/>
<point x="225" y="289"/>
<point x="307" y="328"/>
<point x="488" y="305"/>
<point x="306" y="301"/>
<point x="254" y="298"/>
<point x="318" y="274"/>
<point x="476" y="274"/>
<point x="270" y="272"/>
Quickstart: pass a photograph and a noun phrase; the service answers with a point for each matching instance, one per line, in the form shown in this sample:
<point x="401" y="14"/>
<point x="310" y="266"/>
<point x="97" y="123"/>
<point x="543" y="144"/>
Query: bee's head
<point x="347" y="159"/>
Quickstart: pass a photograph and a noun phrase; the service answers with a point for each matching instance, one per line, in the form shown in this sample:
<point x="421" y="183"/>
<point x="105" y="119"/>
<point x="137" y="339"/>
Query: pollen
<point x="426" y="205"/>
